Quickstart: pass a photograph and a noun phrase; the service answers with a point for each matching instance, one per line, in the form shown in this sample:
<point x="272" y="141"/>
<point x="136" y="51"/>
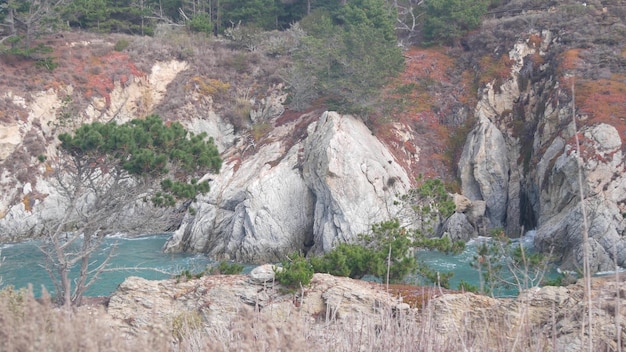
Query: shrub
<point x="184" y="323"/>
<point x="121" y="44"/>
<point x="351" y="260"/>
<point x="448" y="20"/>
<point x="296" y="272"/>
<point x="386" y="253"/>
<point x="226" y="268"/>
<point x="187" y="275"/>
<point x="260" y="129"/>
<point x="47" y="62"/>
<point x="201" y="23"/>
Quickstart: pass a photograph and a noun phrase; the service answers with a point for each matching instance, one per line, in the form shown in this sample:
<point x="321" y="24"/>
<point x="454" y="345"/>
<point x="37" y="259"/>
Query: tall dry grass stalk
<point x="618" y="298"/>
<point x="29" y="324"/>
<point x="586" y="268"/>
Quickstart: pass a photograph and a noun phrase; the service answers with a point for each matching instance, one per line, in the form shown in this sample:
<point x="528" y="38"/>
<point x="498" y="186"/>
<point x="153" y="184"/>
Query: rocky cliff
<point x="308" y="180"/>
<point x="521" y="157"/>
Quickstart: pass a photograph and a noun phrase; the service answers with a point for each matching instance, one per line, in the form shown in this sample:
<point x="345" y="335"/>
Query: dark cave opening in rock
<point x="528" y="217"/>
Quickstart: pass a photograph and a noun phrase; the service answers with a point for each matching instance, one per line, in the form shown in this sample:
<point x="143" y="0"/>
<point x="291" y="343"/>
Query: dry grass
<point x="27" y="324"/>
<point x="445" y="322"/>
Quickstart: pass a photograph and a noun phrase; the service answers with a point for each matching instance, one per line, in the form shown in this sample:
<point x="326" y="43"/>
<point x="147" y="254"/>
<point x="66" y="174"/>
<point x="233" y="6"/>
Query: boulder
<point x="457" y="227"/>
<point x="263" y="274"/>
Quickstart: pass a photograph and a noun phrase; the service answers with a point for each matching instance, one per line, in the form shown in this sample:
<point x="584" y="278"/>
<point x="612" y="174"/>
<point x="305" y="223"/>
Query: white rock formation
<point x="353" y="177"/>
<point x="484" y="170"/>
<point x="321" y="191"/>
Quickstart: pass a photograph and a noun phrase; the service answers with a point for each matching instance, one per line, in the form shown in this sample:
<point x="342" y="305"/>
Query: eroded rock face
<point x="353" y="177"/>
<point x="484" y="170"/>
<point x="325" y="189"/>
<point x="254" y="211"/>
<point x="146" y="305"/>
<point x="546" y="319"/>
<point x="29" y="197"/>
<point x="520" y="159"/>
<point x="562" y="221"/>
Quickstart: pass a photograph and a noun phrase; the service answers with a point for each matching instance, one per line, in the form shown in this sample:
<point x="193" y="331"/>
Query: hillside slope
<point x="491" y="116"/>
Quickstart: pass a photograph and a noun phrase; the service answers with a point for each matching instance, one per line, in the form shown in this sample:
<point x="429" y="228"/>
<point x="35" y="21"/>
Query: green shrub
<point x="121" y="44"/>
<point x="296" y="271"/>
<point x="226" y="268"/>
<point x="386" y="253"/>
<point x="448" y="20"/>
<point x="201" y="23"/>
<point x="467" y="287"/>
<point x="351" y="260"/>
<point x="187" y="275"/>
<point x="47" y="62"/>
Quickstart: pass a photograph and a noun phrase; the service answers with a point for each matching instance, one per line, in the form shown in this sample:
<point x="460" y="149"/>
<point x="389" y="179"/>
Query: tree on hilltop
<point x="347" y="55"/>
<point x="24" y="20"/>
<point x="448" y="20"/>
<point x="137" y="176"/>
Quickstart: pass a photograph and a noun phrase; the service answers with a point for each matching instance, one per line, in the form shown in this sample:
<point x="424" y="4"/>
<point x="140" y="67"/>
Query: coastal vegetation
<point x="357" y="57"/>
<point x="109" y="171"/>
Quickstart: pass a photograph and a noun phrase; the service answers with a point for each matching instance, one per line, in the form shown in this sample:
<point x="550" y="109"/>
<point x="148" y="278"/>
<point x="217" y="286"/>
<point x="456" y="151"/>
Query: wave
<point x="6" y="245"/>
<point x="611" y="272"/>
<point x="142" y="237"/>
<point x="478" y="240"/>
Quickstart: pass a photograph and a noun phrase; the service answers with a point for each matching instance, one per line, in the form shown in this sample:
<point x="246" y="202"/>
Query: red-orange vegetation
<point x="534" y="41"/>
<point x="492" y="68"/>
<point x="537" y="59"/>
<point x="570" y="59"/>
<point x="467" y="82"/>
<point x="95" y="74"/>
<point x="417" y="296"/>
<point x="604" y="101"/>
<point x="420" y="97"/>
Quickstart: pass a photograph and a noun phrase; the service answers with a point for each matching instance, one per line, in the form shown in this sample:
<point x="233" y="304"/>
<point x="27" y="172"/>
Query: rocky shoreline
<point x="553" y="315"/>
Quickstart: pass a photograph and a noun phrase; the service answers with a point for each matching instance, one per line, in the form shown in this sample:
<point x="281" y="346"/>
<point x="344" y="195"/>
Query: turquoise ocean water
<point x="23" y="264"/>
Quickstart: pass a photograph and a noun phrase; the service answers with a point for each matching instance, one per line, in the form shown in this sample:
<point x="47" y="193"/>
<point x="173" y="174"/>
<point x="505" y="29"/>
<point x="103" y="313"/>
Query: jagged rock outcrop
<point x="324" y="189"/>
<point x="354" y="179"/>
<point x="146" y="305"/>
<point x="520" y="157"/>
<point x="546" y="319"/>
<point x="488" y="166"/>
<point x="562" y="222"/>
<point x="484" y="169"/>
